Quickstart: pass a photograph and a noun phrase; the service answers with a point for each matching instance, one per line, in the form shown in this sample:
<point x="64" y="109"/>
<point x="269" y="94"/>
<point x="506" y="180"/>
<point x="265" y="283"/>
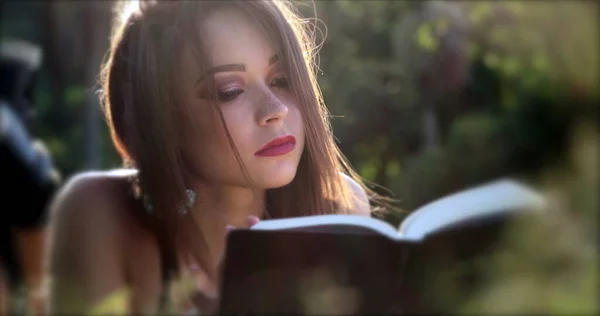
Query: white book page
<point x="330" y="223"/>
<point x="485" y="200"/>
<point x="489" y="199"/>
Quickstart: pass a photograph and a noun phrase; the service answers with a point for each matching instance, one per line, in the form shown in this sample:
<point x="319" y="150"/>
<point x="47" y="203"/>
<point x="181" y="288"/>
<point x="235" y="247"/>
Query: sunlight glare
<point x="130" y="8"/>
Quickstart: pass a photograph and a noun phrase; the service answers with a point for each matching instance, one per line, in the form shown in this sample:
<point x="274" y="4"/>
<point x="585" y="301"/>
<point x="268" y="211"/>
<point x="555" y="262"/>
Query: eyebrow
<point x="233" y="68"/>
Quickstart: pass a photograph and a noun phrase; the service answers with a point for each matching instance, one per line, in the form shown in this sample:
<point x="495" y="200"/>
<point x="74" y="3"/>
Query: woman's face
<point x="257" y="103"/>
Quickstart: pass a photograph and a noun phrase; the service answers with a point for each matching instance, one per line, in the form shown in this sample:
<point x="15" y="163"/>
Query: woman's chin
<point x="278" y="178"/>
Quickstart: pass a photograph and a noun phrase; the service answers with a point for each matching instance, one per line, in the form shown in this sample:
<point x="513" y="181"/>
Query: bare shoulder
<point x="86" y="233"/>
<point x="87" y="197"/>
<point x="360" y="199"/>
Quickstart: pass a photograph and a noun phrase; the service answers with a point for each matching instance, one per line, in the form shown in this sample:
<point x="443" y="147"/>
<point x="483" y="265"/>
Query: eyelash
<point x="281" y="82"/>
<point x="229" y="95"/>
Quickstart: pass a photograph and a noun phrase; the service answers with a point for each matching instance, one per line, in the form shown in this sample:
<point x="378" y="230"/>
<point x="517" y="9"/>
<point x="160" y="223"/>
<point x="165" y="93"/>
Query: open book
<point x="496" y="198"/>
<point x="344" y="264"/>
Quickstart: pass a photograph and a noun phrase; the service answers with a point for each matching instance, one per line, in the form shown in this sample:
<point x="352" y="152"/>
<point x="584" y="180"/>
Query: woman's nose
<point x="272" y="110"/>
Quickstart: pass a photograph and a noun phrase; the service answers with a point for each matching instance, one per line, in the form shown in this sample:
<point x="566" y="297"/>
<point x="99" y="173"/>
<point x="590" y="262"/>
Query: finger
<point x="253" y="220"/>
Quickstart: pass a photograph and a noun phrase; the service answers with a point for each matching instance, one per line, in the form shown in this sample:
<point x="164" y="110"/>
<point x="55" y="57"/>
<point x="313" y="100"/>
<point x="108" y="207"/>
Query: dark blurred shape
<point x="20" y="62"/>
<point x="28" y="178"/>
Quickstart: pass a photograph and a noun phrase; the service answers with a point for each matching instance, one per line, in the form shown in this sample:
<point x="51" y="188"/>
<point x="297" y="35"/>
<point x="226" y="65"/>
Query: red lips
<point x="277" y="147"/>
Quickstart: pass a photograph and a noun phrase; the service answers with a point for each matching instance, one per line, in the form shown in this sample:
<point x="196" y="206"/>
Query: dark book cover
<point x="319" y="272"/>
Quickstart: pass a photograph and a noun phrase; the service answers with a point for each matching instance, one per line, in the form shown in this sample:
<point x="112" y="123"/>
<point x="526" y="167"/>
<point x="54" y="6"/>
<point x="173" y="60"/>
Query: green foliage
<point x="115" y="304"/>
<point x="551" y="266"/>
<point x="425" y="38"/>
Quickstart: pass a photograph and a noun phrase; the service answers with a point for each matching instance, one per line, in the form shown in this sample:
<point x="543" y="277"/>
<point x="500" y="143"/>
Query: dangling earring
<point x="189" y="203"/>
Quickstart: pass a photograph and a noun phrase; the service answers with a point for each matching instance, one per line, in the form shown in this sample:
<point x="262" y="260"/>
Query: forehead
<point x="230" y="37"/>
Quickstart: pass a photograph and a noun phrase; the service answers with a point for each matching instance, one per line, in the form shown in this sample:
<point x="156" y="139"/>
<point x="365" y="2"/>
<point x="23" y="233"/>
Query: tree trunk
<point x="96" y="26"/>
<point x="53" y="60"/>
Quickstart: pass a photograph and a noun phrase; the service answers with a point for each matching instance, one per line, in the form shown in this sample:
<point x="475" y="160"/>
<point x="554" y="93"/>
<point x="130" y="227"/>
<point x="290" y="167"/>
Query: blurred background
<point x="427" y="97"/>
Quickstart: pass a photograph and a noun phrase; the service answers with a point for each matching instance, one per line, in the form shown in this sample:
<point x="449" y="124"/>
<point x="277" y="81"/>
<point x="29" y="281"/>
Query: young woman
<point x="215" y="109"/>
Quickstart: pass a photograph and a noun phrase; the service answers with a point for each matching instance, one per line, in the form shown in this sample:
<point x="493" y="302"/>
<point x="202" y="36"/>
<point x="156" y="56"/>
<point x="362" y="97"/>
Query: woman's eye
<point x="280" y="82"/>
<point x="229" y="95"/>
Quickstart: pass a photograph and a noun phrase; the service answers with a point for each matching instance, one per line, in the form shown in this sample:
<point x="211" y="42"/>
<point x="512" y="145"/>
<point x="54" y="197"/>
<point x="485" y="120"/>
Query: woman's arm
<point x="85" y="258"/>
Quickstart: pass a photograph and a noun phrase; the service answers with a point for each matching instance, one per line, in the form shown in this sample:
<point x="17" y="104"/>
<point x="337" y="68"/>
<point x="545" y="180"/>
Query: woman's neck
<point x="219" y="206"/>
<point x="228" y="203"/>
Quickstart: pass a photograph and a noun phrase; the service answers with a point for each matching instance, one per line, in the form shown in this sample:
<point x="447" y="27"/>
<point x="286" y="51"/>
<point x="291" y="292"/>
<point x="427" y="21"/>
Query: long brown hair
<point x="141" y="99"/>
